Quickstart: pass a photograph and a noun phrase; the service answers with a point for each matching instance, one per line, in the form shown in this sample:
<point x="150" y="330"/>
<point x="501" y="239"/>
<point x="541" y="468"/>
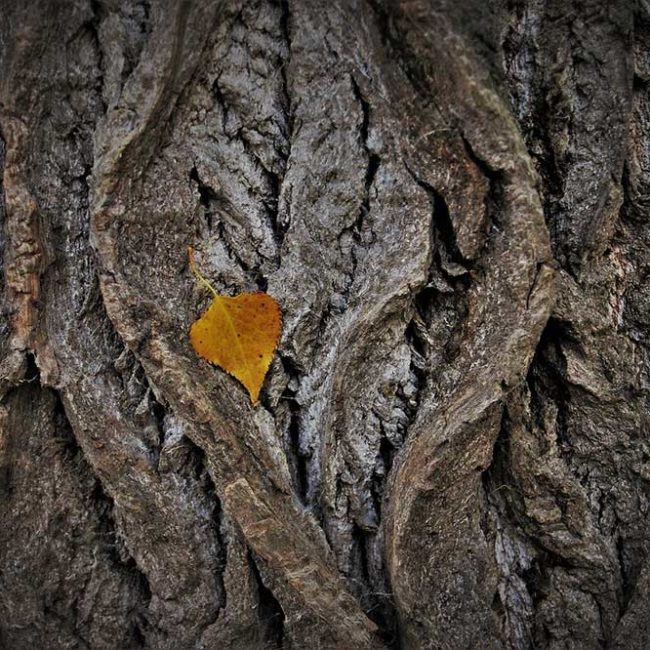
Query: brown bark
<point x="449" y="202"/>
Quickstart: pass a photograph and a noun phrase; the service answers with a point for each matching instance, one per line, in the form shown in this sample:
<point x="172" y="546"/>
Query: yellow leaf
<point x="238" y="333"/>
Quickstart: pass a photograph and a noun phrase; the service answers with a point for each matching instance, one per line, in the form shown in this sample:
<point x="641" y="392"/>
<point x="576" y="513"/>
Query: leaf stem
<point x="199" y="276"/>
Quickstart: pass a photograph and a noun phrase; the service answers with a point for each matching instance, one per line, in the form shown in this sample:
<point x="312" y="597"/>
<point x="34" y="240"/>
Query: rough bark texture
<point x="450" y="201"/>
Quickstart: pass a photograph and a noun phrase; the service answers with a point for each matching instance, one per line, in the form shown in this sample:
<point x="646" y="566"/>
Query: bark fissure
<point x="298" y="454"/>
<point x="443" y="237"/>
<point x="285" y="25"/>
<point x="362" y="236"/>
<point x="269" y="612"/>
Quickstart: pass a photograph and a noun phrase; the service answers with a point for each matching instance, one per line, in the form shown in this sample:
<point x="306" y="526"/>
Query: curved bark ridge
<point x="448" y="442"/>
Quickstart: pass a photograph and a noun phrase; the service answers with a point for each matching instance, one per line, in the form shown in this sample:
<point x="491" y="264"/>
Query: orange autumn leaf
<point x="238" y="334"/>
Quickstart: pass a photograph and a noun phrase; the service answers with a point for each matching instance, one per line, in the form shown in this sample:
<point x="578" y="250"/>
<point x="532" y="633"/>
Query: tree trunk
<point x="449" y="200"/>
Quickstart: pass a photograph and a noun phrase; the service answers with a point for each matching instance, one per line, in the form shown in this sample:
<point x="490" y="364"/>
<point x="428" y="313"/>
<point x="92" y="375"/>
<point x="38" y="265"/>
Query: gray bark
<point x="449" y="200"/>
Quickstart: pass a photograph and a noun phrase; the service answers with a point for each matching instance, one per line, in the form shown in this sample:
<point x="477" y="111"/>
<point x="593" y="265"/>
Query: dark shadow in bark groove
<point x="207" y="196"/>
<point x="546" y="378"/>
<point x="442" y="230"/>
<point x="269" y="612"/>
<point x="114" y="546"/>
<point x="203" y="475"/>
<point x="297" y="455"/>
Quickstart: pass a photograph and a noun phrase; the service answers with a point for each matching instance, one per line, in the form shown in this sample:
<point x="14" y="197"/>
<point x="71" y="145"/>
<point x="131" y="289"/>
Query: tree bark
<point x="449" y="200"/>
